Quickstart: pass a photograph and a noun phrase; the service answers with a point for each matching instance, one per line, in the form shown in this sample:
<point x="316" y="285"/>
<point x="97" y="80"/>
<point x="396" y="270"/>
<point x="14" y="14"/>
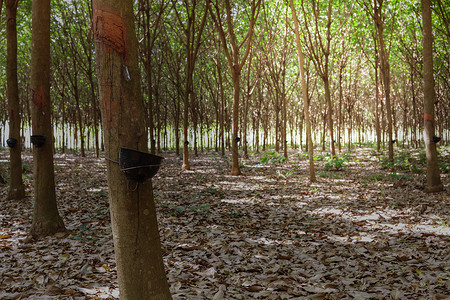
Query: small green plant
<point x="304" y="155"/>
<point x="318" y="157"/>
<point x="175" y="210"/>
<point x="285" y="173"/>
<point x="336" y="163"/>
<point x="25" y="169"/>
<point x="375" y="177"/>
<point x="445" y="166"/>
<point x="323" y="174"/>
<point x="202" y="210"/>
<point x="273" y="157"/>
<point x="214" y="192"/>
<point x="395" y="176"/>
<point x="233" y="213"/>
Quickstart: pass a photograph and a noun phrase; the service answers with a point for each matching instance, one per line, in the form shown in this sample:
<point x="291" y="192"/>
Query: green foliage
<point x="273" y="157"/>
<point x="375" y="177"/>
<point x="175" y="210"/>
<point x="233" y="213"/>
<point x="404" y="160"/>
<point x="214" y="192"/>
<point x="395" y="176"/>
<point x="25" y="168"/>
<point x="335" y="163"/>
<point x="203" y="210"/>
<point x="445" y="166"/>
<point x="318" y="157"/>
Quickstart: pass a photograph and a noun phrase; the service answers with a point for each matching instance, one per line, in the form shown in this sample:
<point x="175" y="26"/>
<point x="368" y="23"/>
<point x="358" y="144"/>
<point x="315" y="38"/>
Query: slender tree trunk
<point x="222" y="111"/>
<point x="312" y="173"/>
<point x="46" y="219"/>
<point x="340" y="110"/>
<point x="414" y="108"/>
<point x="377" y="103"/>
<point x="245" y="125"/>
<point x="78" y="112"/>
<point x="235" y="170"/>
<point x="434" y="183"/>
<point x="284" y="109"/>
<point x="385" y="69"/>
<point x="63" y="123"/>
<point x="16" y="187"/>
<point x="329" y="114"/>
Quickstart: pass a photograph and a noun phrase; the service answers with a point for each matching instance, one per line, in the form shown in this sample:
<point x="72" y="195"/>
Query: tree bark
<point x="46" y="219"/>
<point x="385" y="70"/>
<point x="312" y="173"/>
<point x="137" y="244"/>
<point x="434" y="183"/>
<point x="235" y="62"/>
<point x="16" y="187"/>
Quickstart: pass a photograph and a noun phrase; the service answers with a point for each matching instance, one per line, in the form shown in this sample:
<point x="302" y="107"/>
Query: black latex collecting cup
<point x="138" y="166"/>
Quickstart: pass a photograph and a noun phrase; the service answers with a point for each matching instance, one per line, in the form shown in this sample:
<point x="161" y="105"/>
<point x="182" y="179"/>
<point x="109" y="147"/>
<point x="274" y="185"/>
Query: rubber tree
<point x="312" y="173"/>
<point x="191" y="41"/>
<point x="46" y="219"/>
<point x="151" y="18"/>
<point x="434" y="183"/>
<point x="137" y="243"/>
<point x="319" y="49"/>
<point x="385" y="70"/>
<point x="16" y="187"/>
<point x="235" y="58"/>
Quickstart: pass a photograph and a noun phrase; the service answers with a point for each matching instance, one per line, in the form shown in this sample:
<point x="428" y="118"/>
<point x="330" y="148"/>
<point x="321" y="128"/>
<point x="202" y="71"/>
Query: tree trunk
<point x="312" y="173"/>
<point x="385" y="70"/>
<point x="340" y="109"/>
<point x="330" y="113"/>
<point x="377" y="102"/>
<point x="46" y="219"/>
<point x="434" y="183"/>
<point x="63" y="123"/>
<point x="137" y="244"/>
<point x="186" y="165"/>
<point x="16" y="187"/>
<point x="78" y="112"/>
<point x="235" y="170"/>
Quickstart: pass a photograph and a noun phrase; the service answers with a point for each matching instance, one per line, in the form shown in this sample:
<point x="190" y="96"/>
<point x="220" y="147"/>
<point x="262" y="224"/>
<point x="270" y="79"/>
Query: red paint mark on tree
<point x="110" y="30"/>
<point x="37" y="98"/>
<point x="428" y="117"/>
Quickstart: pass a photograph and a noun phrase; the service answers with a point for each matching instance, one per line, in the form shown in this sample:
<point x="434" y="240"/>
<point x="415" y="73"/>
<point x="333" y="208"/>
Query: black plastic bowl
<point x="12" y="142"/>
<point x="38" y="140"/>
<point x="138" y="166"/>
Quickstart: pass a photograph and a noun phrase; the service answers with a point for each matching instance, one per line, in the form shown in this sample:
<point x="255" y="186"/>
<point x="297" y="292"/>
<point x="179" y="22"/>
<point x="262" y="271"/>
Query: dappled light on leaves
<point x="355" y="233"/>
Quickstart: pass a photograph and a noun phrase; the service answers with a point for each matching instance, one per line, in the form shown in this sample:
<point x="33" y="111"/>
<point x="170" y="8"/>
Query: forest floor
<point x="361" y="232"/>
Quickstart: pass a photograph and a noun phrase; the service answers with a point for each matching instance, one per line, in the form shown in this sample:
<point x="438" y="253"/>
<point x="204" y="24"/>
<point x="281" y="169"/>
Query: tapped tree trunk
<point x="235" y="170"/>
<point x="16" y="187"/>
<point x="137" y="243"/>
<point x="46" y="219"/>
<point x="434" y="183"/>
